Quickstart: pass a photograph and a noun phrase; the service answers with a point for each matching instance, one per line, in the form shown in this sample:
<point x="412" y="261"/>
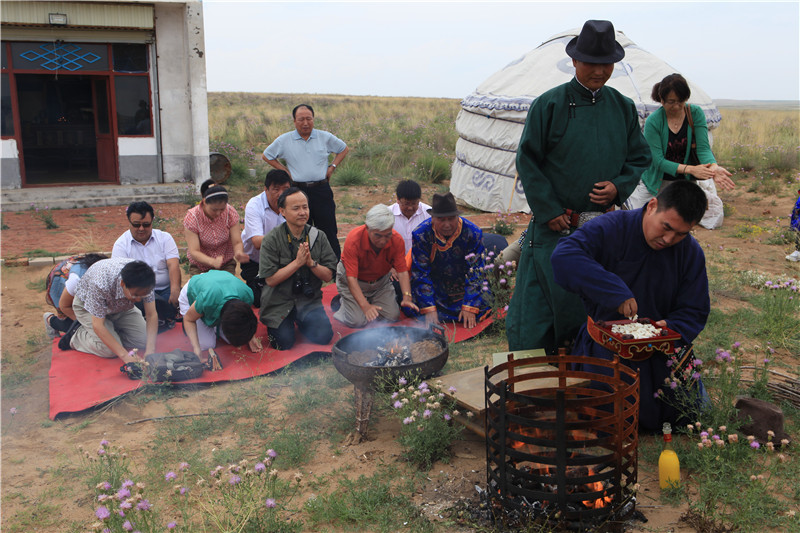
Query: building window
<point x="133" y="105"/>
<point x="130" y="57"/>
<point x="59" y="55"/>
<point x="7" y="122"/>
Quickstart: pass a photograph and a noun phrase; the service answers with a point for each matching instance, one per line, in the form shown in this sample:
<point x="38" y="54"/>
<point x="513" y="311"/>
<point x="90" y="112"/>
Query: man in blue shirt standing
<point x="305" y="152"/>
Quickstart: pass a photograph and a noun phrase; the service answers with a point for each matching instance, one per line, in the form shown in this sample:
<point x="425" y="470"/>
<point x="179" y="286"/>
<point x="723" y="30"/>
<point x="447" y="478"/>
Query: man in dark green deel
<point x="581" y="152"/>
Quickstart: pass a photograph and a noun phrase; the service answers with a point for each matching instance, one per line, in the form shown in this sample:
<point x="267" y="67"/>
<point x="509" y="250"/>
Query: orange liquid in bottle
<point x="669" y="467"/>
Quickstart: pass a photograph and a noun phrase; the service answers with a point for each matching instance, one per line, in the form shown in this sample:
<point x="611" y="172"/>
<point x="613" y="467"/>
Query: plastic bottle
<point x="669" y="467"/>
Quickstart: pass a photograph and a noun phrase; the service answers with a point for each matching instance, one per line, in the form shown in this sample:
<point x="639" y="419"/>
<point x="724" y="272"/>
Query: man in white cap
<point x="581" y="152"/>
<point x="363" y="277"/>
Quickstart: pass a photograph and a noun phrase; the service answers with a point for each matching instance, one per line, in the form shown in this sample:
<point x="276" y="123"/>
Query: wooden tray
<point x="633" y="349"/>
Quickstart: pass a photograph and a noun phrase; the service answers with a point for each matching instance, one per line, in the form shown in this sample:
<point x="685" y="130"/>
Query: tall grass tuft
<point x="758" y="140"/>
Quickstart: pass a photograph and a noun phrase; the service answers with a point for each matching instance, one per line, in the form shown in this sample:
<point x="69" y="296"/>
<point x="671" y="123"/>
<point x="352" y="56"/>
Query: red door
<point x="106" y="140"/>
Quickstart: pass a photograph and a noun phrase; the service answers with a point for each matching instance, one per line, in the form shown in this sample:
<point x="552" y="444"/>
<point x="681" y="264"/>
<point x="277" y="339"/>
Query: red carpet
<point x="79" y="381"/>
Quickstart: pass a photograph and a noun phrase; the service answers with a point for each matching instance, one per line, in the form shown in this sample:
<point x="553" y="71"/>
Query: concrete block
<point x="16" y="262"/>
<point x="40" y="261"/>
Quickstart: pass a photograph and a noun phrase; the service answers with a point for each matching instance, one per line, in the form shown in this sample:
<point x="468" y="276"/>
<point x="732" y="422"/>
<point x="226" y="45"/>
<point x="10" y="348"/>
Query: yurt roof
<point x="491" y="120"/>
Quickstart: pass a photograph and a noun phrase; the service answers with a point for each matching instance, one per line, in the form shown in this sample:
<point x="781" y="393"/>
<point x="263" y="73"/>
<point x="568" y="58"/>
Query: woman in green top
<point x="670" y="131"/>
<point x="217" y="303"/>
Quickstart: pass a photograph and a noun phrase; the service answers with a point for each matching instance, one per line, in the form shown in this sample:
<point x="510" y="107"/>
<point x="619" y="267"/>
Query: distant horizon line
<point x="772" y="100"/>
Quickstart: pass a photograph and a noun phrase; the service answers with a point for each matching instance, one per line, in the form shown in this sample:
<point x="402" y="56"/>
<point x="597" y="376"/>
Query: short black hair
<point x="237" y="322"/>
<point x="90" y="259"/>
<point x="294" y="111"/>
<point x="277" y="177"/>
<point x="140" y="208"/>
<point x="673" y="82"/>
<point x="685" y="197"/>
<point x="288" y="192"/>
<point x="408" y="190"/>
<point x="138" y="275"/>
<point x="210" y="187"/>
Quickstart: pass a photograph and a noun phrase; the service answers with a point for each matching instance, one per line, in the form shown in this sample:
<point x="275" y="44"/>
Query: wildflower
<point x="172" y="525"/>
<point x="751" y="438"/>
<point x="184" y="490"/>
<point x="273" y="473"/>
<point x="673" y="385"/>
<point x="125" y="505"/>
<point x="704" y="434"/>
<point x="420" y="428"/>
<point x="427" y="413"/>
<point x="170" y="476"/>
<point x="408" y="420"/>
<point x="234" y="479"/>
<point x="102" y="512"/>
<point x="470" y="414"/>
<point x="723" y="429"/>
<point x="127" y="483"/>
<point x="395" y="395"/>
<point x="13" y="410"/>
<point x="456" y="412"/>
<point x="123" y="493"/>
<point x="689" y="428"/>
<point x="298" y="477"/>
<point x="782" y="458"/>
<point x="737" y="344"/>
<point x="423" y="385"/>
<point x="102" y="497"/>
<point x="753" y="478"/>
<point x="397" y="405"/>
<point x="755" y="445"/>
<point x="451" y="390"/>
<point x="101" y="451"/>
<point x="183" y="467"/>
<point x="260" y="467"/>
<point x="402" y="381"/>
<point x="733" y="438"/>
<point x="447" y="417"/>
<point x="770" y="446"/>
<point x="143" y="505"/>
<point x="104" y="485"/>
<point x="699" y="445"/>
<point x="770" y="434"/>
<point x="127" y="526"/>
<point x="784" y="442"/>
<point x="104" y="442"/>
<point x="270" y="503"/>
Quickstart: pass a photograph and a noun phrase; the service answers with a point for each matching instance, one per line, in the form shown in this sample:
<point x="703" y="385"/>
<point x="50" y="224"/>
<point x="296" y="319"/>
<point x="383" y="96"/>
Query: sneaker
<point x="794" y="256"/>
<point x="65" y="342"/>
<point x="336" y="303"/>
<point x="50" y="330"/>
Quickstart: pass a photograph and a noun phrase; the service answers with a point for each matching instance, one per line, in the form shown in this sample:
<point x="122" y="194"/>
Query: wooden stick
<point x="513" y="190"/>
<point x="172" y="416"/>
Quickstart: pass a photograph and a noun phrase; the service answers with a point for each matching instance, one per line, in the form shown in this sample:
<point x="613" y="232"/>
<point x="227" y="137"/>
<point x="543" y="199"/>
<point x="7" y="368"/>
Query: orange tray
<point x="633" y="349"/>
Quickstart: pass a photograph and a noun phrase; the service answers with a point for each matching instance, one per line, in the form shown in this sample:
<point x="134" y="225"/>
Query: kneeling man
<point x="364" y="278"/>
<point x="447" y="266"/>
<point x="294" y="261"/>
<point x="641" y="262"/>
<point x="110" y="325"/>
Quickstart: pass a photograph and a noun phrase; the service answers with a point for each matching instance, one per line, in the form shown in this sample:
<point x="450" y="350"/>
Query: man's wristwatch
<point x="332" y="165"/>
<point x="314" y="265"/>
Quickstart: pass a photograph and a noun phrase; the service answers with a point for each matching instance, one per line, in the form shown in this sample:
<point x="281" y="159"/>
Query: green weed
<point x="38" y="285"/>
<point x="349" y="175"/>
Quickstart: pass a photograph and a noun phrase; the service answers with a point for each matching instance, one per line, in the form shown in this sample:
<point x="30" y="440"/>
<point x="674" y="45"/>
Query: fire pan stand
<point x="566" y="454"/>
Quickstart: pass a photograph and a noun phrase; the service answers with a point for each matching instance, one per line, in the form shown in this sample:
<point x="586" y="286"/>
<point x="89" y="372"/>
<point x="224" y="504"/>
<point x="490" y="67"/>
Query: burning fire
<point x="550" y="471"/>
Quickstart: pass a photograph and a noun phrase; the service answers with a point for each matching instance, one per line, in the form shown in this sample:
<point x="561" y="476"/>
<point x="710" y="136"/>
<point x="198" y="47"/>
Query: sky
<point x="732" y="50"/>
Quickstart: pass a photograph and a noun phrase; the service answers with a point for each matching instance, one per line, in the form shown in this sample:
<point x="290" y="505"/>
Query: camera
<point x="302" y="286"/>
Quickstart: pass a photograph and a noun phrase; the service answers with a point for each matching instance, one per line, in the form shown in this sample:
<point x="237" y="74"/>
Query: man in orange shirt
<point x="363" y="276"/>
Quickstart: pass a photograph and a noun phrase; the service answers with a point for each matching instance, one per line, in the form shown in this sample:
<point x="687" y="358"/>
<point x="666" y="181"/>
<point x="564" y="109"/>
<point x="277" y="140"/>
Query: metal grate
<point x="566" y="454"/>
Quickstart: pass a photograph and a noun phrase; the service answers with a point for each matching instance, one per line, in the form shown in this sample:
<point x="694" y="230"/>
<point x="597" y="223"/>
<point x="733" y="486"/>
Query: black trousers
<point x="315" y="327"/>
<point x="250" y="276"/>
<point x="322" y="211"/>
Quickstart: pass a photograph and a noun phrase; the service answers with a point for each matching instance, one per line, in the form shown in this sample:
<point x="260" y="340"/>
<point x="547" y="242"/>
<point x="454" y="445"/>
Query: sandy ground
<point x="39" y="457"/>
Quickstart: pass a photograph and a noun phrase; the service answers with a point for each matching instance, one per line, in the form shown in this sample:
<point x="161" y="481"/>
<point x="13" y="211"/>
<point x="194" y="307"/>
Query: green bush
<point x="350" y="175"/>
<point x="432" y="168"/>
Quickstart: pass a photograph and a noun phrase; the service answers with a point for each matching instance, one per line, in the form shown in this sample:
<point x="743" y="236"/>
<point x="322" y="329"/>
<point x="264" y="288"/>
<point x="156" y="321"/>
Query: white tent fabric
<point x="491" y="119"/>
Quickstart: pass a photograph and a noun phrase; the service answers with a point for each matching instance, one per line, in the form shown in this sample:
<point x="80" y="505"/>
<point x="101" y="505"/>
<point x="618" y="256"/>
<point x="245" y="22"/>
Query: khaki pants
<point x="127" y="327"/>
<point x="380" y="293"/>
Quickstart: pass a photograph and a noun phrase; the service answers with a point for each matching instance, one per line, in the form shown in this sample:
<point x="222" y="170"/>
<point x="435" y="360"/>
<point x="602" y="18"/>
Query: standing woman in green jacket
<point x="670" y="131"/>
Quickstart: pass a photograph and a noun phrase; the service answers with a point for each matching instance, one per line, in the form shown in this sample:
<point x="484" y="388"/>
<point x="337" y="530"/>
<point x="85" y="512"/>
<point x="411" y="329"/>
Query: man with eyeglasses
<point x="158" y="249"/>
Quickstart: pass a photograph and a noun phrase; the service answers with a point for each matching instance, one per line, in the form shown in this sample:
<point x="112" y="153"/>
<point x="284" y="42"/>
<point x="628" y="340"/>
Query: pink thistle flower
<point x="733" y="438"/>
<point x="125" y="505"/>
<point x="183" y="491"/>
<point x="104" y="442"/>
<point x="234" y="480"/>
<point x="272" y="453"/>
<point x="183" y="467"/>
<point x="101" y="451"/>
<point x="127" y="526"/>
<point x="427" y="413"/>
<point x="127" y="484"/>
<point x="422" y="385"/>
<point x="143" y="505"/>
<point x="102" y="512"/>
<point x="172" y="525"/>
<point x="123" y="493"/>
<point x="397" y="404"/>
<point x="451" y="390"/>
<point x="105" y="485"/>
<point x="270" y="503"/>
<point x="170" y="476"/>
<point x="402" y="381"/>
<point x="395" y="395"/>
<point x="447" y="417"/>
<point x="408" y="420"/>
<point x="755" y="445"/>
<point x="13" y="410"/>
<point x="260" y="467"/>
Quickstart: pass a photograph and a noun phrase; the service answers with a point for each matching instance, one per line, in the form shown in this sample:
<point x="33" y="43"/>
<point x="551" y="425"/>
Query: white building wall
<point x="181" y="81"/>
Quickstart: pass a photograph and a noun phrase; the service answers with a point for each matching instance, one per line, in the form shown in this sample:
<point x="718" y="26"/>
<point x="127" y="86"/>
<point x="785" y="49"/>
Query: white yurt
<point x="491" y="119"/>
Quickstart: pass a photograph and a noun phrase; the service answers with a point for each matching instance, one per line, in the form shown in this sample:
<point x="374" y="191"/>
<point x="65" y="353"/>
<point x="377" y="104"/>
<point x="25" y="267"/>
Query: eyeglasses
<point x="138" y="225"/>
<point x="673" y="102"/>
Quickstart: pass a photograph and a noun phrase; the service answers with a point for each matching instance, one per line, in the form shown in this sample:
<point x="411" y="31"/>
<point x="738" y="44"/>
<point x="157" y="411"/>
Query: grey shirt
<point x="278" y="249"/>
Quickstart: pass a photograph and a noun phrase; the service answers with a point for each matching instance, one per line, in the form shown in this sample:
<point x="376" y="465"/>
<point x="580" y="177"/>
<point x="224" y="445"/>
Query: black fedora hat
<point x="444" y="205"/>
<point x="596" y="43"/>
